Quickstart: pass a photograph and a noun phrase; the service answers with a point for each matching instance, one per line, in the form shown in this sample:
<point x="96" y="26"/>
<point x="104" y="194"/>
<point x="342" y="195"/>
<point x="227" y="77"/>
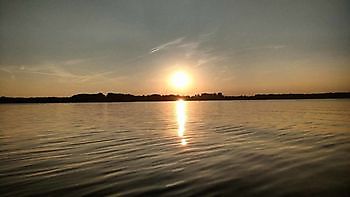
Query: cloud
<point x="154" y="50"/>
<point x="193" y="50"/>
<point x="189" y="45"/>
<point x="166" y="45"/>
<point x="9" y="72"/>
<point x="201" y="54"/>
<point x="74" y="61"/>
<point x="51" y="70"/>
<point x="268" y="47"/>
<point x="6" y="70"/>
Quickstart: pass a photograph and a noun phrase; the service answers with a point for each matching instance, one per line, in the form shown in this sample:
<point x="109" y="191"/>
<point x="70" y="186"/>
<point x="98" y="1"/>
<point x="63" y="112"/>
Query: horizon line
<point x="179" y="95"/>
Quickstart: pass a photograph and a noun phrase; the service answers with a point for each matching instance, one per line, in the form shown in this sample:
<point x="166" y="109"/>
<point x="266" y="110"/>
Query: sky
<point x="61" y="48"/>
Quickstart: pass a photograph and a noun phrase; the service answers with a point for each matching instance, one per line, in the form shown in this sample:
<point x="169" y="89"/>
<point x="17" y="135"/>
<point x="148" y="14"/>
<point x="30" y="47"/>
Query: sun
<point x="180" y="80"/>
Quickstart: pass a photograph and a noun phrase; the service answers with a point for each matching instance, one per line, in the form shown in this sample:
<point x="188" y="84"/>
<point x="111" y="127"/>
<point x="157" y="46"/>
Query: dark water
<point x="233" y="148"/>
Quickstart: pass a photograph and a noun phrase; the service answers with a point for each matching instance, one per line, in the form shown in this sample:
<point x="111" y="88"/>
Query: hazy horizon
<point x="61" y="48"/>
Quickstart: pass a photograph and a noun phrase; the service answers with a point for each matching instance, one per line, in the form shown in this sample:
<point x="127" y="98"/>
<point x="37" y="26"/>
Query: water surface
<point x="241" y="148"/>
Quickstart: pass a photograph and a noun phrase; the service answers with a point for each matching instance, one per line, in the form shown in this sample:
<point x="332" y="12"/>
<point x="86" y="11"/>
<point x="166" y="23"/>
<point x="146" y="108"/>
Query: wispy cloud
<point x="74" y="61"/>
<point x="199" y="53"/>
<point x="153" y="50"/>
<point x="167" y="44"/>
<point x="51" y="70"/>
<point x="6" y="70"/>
<point x="194" y="51"/>
<point x="266" y="47"/>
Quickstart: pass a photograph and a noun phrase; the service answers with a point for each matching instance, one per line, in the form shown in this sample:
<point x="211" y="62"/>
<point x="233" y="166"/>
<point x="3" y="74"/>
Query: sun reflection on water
<point x="181" y="120"/>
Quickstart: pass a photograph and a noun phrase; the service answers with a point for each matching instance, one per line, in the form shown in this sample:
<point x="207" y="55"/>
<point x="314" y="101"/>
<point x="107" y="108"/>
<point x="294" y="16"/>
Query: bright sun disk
<point x="180" y="80"/>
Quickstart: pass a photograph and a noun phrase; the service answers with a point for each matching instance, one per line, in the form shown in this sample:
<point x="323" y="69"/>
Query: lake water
<point x="224" y="148"/>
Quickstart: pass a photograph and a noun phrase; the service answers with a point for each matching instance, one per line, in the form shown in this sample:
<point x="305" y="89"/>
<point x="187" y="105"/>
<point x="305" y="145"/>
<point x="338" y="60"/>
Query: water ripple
<point x="252" y="148"/>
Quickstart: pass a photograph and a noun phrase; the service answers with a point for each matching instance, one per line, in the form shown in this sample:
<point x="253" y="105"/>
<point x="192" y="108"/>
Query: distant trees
<point x="100" y="97"/>
<point x="119" y="97"/>
<point x="208" y="96"/>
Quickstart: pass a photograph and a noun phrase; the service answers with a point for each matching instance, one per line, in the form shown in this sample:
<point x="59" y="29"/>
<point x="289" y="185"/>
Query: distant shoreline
<point x="119" y="97"/>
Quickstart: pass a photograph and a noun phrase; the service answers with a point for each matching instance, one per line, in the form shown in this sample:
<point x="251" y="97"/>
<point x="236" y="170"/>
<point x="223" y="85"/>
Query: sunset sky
<point x="60" y="48"/>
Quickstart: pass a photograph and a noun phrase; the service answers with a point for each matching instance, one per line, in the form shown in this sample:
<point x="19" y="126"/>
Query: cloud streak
<point x="267" y="47"/>
<point x="51" y="70"/>
<point x="167" y="45"/>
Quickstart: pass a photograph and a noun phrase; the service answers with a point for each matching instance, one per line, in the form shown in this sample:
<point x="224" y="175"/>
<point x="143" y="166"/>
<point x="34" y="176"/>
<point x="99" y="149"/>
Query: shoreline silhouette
<point x="120" y="97"/>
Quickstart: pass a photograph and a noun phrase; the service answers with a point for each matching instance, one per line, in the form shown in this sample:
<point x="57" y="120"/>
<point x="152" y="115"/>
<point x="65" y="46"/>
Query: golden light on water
<point x="181" y="120"/>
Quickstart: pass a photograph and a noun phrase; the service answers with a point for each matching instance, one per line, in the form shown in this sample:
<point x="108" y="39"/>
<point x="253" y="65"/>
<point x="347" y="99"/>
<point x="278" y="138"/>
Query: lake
<point x="207" y="148"/>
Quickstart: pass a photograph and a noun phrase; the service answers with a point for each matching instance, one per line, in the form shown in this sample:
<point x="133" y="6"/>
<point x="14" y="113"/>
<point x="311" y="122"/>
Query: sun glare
<point x="180" y="80"/>
<point x="181" y="120"/>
